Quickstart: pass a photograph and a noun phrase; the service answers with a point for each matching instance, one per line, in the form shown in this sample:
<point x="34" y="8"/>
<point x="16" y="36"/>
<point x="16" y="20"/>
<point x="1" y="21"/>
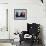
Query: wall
<point x="3" y="21"/>
<point x="3" y="1"/>
<point x="35" y="13"/>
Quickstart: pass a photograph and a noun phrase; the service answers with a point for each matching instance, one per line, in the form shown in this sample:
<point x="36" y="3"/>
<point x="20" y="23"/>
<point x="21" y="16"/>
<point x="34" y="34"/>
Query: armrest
<point x="24" y="32"/>
<point x="22" y="35"/>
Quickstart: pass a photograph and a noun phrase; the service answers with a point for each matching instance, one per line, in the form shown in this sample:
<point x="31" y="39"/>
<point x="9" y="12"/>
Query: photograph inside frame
<point x="20" y="14"/>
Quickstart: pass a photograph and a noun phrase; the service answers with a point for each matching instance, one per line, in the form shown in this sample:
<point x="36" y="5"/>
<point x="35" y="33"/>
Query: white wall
<point x="3" y="34"/>
<point x="35" y="13"/>
<point x="3" y="1"/>
<point x="3" y="21"/>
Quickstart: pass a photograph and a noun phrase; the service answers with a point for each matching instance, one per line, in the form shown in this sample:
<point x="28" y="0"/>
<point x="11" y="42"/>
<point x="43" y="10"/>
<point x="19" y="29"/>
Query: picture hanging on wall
<point x="20" y="14"/>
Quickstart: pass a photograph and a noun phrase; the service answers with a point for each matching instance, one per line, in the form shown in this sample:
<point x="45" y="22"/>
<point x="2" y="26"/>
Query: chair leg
<point x="20" y="42"/>
<point x="32" y="42"/>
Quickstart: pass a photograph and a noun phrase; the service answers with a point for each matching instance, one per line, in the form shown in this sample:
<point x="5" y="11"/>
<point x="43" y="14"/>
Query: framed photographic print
<point x="20" y="14"/>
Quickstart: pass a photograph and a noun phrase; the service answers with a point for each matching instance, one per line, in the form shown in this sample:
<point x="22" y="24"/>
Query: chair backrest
<point x="33" y="28"/>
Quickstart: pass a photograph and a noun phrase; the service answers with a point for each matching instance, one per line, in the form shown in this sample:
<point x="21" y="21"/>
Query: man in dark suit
<point x="22" y="14"/>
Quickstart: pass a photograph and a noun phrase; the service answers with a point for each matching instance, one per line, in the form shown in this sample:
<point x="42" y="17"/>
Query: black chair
<point x="32" y="29"/>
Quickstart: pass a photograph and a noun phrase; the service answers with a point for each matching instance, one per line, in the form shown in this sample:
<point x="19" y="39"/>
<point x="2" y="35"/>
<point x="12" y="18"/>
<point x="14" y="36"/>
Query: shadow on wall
<point x="41" y="34"/>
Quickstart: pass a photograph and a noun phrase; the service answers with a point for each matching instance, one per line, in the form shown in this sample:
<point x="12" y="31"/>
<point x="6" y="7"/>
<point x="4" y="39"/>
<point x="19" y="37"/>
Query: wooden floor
<point x="6" y="40"/>
<point x="29" y="44"/>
